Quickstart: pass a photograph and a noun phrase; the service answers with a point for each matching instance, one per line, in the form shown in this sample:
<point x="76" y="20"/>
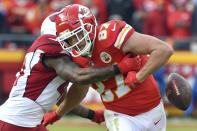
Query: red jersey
<point x="179" y="16"/>
<point x="115" y="94"/>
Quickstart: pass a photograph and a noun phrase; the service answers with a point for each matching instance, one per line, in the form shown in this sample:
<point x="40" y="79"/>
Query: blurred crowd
<point x="176" y="18"/>
<point x="160" y="18"/>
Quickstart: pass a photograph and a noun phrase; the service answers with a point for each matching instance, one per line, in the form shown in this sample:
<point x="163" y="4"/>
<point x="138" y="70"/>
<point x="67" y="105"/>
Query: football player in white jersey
<point x="42" y="82"/>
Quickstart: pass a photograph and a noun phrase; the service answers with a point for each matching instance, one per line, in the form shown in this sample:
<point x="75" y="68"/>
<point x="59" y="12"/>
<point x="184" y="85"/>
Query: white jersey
<point x="36" y="88"/>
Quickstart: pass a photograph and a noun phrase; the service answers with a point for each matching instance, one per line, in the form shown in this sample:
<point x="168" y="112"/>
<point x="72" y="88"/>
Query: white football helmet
<point x="48" y="25"/>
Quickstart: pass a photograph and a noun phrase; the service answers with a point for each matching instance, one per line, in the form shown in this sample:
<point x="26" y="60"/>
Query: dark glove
<point x="96" y="115"/>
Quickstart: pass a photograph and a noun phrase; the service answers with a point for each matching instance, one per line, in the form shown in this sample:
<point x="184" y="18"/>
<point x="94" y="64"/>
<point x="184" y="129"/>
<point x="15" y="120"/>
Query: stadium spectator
<point x="98" y="8"/>
<point x="155" y="21"/>
<point x="3" y="23"/>
<point x="59" y="4"/>
<point x="36" y="15"/>
<point x="132" y="101"/>
<point x="3" y="13"/>
<point x="169" y="6"/>
<point x="143" y="8"/>
<point x="194" y="22"/>
<point x="179" y="21"/>
<point x="16" y="21"/>
<point x="41" y="9"/>
<point x="120" y="10"/>
<point x="16" y="14"/>
<point x="42" y="82"/>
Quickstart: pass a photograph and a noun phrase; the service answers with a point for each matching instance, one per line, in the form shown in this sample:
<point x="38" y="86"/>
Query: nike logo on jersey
<point x="114" y="28"/>
<point x="155" y="123"/>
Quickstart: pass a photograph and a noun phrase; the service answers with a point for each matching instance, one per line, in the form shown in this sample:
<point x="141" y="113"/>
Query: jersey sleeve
<point x="49" y="46"/>
<point x="125" y="32"/>
<point x="114" y="33"/>
<point x="45" y="45"/>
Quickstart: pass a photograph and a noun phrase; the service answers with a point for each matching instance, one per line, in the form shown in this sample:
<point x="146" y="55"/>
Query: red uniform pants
<point x="4" y="126"/>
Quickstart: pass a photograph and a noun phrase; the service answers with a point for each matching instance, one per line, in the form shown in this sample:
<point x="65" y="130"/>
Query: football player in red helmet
<point x="132" y="100"/>
<point x="82" y="26"/>
<point x="43" y="80"/>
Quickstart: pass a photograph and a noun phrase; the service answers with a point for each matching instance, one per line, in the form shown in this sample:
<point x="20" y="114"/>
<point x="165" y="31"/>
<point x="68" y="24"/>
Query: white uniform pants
<point x="153" y="120"/>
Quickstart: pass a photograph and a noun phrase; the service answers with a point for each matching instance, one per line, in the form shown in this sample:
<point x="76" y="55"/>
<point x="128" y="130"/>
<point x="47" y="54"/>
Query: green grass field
<point x="72" y="128"/>
<point x="81" y="128"/>
<point x="70" y="124"/>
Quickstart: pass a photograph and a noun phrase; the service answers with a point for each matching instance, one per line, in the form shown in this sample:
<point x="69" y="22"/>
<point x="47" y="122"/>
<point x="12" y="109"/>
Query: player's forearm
<point x="92" y="75"/>
<point x="156" y="60"/>
<point x="61" y="108"/>
<point x="81" y="110"/>
<point x="72" y="72"/>
<point x="74" y="96"/>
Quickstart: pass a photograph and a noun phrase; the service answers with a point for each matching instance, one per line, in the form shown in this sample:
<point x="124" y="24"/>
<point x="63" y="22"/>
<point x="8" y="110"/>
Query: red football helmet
<point x="72" y="20"/>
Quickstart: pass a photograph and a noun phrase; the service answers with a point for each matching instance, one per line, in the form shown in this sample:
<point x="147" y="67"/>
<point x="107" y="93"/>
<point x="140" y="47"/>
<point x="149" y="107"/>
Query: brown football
<point x="178" y="91"/>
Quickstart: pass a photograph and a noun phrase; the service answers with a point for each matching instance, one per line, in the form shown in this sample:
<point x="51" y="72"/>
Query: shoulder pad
<point x="112" y="31"/>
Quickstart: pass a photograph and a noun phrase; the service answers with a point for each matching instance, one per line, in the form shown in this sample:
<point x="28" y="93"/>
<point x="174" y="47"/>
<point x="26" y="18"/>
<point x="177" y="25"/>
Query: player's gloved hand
<point x="50" y="118"/>
<point x="131" y="79"/>
<point x="144" y="59"/>
<point x="129" y="63"/>
<point x="96" y="115"/>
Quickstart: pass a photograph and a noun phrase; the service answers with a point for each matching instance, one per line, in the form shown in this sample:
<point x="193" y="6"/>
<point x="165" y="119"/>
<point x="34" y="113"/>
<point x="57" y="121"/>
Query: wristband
<point x="116" y="69"/>
<point x="91" y="114"/>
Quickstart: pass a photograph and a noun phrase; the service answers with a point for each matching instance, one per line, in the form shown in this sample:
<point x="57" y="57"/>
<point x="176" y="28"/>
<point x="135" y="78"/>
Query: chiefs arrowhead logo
<point x="105" y="57"/>
<point x="83" y="11"/>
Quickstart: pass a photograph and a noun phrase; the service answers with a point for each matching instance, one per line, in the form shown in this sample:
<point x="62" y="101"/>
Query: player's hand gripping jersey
<point x="115" y="94"/>
<point x="36" y="88"/>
